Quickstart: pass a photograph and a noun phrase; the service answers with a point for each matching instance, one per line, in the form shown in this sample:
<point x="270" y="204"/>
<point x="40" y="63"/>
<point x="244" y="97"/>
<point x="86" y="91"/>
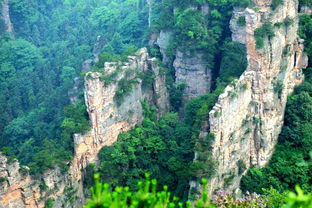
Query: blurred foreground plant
<point x="299" y="200"/>
<point x="148" y="197"/>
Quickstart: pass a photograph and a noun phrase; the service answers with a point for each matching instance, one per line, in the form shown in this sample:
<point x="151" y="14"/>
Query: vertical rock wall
<point x="5" y="11"/>
<point x="193" y="71"/>
<point x="248" y="116"/>
<point x="108" y="119"/>
<point x="19" y="190"/>
<point x="163" y="42"/>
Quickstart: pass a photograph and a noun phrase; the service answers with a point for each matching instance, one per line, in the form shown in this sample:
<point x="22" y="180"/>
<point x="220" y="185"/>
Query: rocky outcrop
<point x="248" y="116"/>
<point x="18" y="189"/>
<point x="86" y="67"/>
<point x="97" y="49"/>
<point x="5" y="11"/>
<point x="193" y="71"/>
<point x="238" y="32"/>
<point x="109" y="117"/>
<point x="163" y="42"/>
<point x="306" y="10"/>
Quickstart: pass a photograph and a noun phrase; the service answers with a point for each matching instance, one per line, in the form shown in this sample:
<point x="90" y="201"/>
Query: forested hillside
<point x="53" y="39"/>
<point x="165" y="148"/>
<point x="57" y="45"/>
<point x="167" y="153"/>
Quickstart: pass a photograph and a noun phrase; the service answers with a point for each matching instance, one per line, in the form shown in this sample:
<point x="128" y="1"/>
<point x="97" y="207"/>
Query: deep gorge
<point x="204" y="98"/>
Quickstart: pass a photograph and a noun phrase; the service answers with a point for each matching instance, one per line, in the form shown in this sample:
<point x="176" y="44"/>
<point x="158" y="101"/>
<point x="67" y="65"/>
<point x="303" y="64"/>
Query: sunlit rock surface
<point x="248" y="116"/>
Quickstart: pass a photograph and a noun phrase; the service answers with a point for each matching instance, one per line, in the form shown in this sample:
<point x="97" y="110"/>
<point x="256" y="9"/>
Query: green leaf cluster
<point x="148" y="196"/>
<point x="162" y="147"/>
<point x="39" y="69"/>
<point x="263" y="32"/>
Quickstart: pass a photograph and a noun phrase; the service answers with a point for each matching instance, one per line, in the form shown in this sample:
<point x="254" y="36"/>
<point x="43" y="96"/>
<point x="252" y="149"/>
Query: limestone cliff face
<point x="163" y="42"/>
<point x="108" y="119"/>
<point x="18" y="189"/>
<point x="193" y="71"/>
<point x="248" y="116"/>
<point x="5" y="11"/>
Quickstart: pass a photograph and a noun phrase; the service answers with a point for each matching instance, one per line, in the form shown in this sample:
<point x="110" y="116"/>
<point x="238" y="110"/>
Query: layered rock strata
<point x="248" y="116"/>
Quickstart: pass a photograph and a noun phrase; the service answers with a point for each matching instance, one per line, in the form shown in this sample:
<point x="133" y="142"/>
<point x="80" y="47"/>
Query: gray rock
<point x="163" y="42"/>
<point x="193" y="71"/>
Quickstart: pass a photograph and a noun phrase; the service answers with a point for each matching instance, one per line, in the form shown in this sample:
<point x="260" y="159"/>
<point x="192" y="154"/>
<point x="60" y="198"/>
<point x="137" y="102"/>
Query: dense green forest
<point x="291" y="162"/>
<point x="165" y="147"/>
<point x="162" y="147"/>
<point x="55" y="37"/>
<point x="37" y="71"/>
<point x="170" y="158"/>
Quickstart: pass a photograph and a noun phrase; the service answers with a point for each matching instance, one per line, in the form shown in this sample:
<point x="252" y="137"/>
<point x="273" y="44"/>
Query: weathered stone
<point x="238" y="32"/>
<point x="6" y="18"/>
<point x="249" y="123"/>
<point x="193" y="71"/>
<point x="108" y="120"/>
<point x="163" y="43"/>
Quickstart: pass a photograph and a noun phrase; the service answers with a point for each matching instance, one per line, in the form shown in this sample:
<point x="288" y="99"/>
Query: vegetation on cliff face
<point x="37" y="120"/>
<point x="194" y="30"/>
<point x="162" y="147"/>
<point x="37" y="71"/>
<point x="165" y="147"/>
<point x="305" y="3"/>
<point x="291" y="163"/>
<point x="263" y="32"/>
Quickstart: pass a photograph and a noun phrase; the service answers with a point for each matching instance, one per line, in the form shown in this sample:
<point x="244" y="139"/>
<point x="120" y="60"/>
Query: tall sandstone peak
<point x="248" y="116"/>
<point x="108" y="119"/>
<point x="246" y="120"/>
